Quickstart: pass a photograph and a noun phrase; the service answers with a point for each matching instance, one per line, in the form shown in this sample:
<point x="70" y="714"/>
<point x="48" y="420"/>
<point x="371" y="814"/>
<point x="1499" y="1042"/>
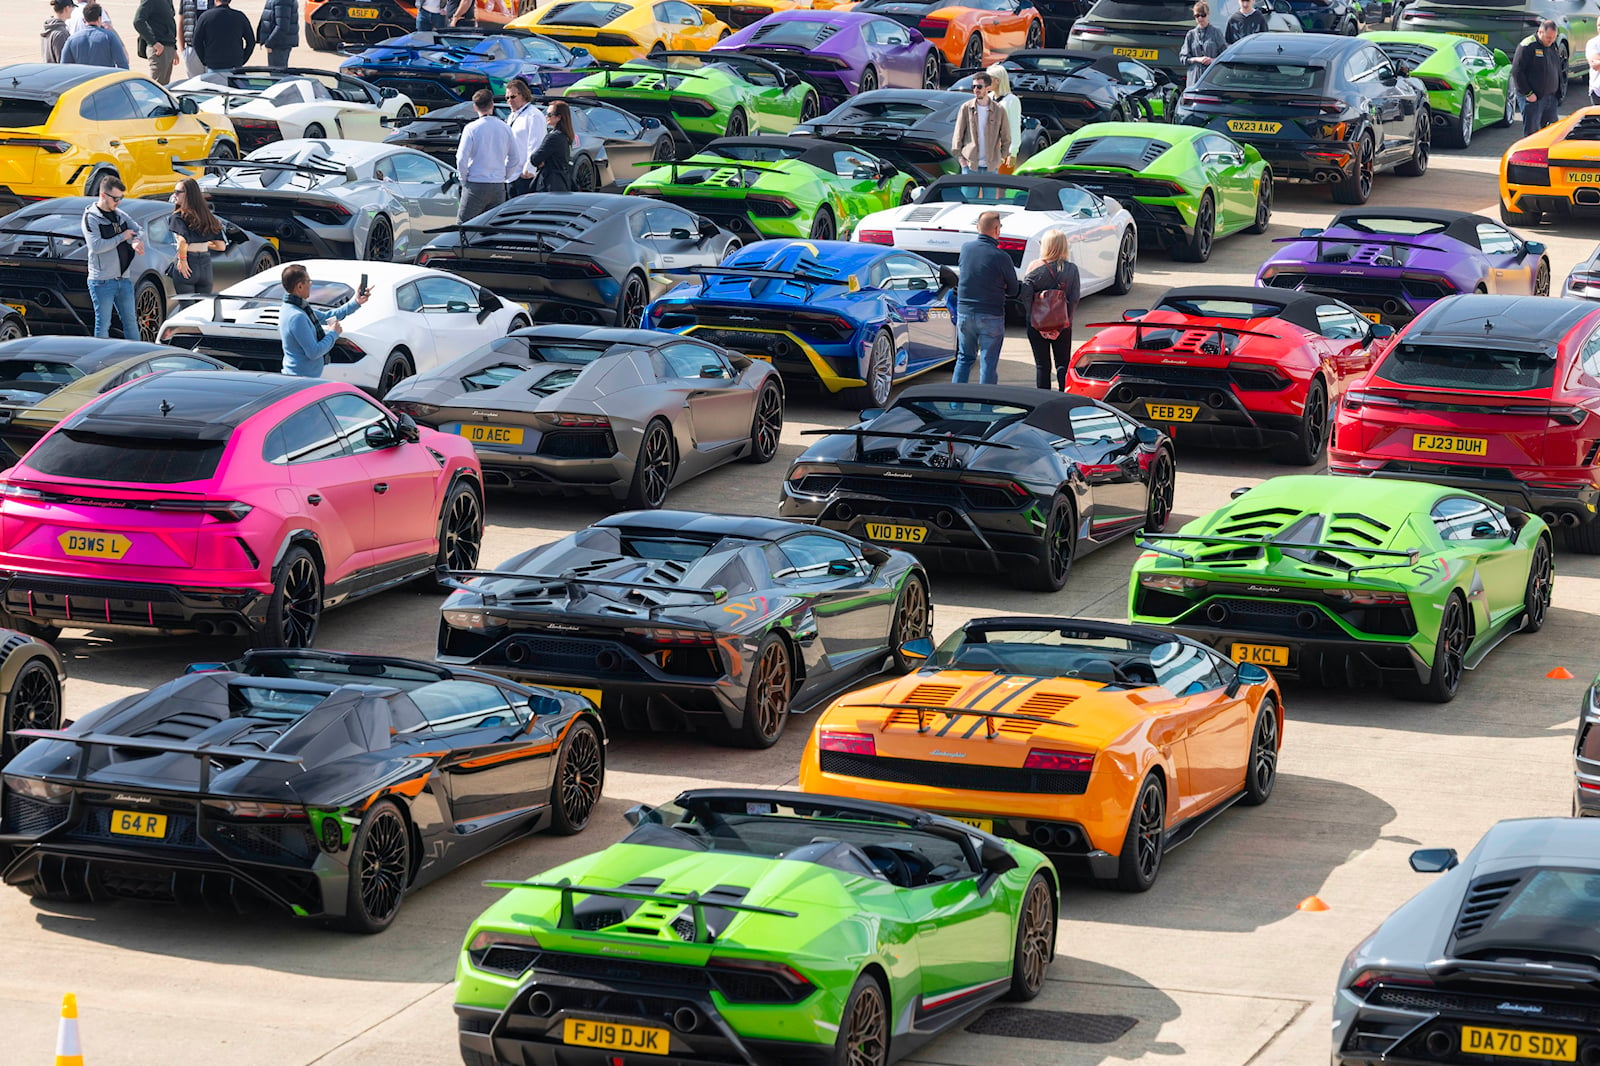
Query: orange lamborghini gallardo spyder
<point x="1101" y="745"/>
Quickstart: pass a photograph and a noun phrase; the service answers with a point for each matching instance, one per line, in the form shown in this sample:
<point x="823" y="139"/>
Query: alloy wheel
<point x="11" y="329"/>
<point x="383" y="864"/>
<point x="769" y="422"/>
<point x="1058" y="542"/>
<point x="1162" y="486"/>
<point x="772" y="689"/>
<point x="655" y="458"/>
<point x="406" y="113"/>
<point x="822" y="226"/>
<point x="911" y="622"/>
<point x="463" y="532"/>
<point x="1541" y="279"/>
<point x="869" y="80"/>
<point x="147" y="311"/>
<point x="737" y="126"/>
<point x="1365" y="170"/>
<point x="1127" y="256"/>
<point x="973" y="56"/>
<point x="1264" y="766"/>
<point x="380" y="241"/>
<point x="581" y="777"/>
<point x="1038" y="935"/>
<point x="1540" y="584"/>
<point x="1468" y="113"/>
<point x="302" y="603"/>
<point x="35" y="702"/>
<point x="1316" y="419"/>
<point x="1453" y="646"/>
<point x="394" y="373"/>
<point x="880" y="369"/>
<point x="631" y="311"/>
<point x="930" y="70"/>
<point x="865" y="1036"/>
<point x="1035" y="36"/>
<point x="1150" y="827"/>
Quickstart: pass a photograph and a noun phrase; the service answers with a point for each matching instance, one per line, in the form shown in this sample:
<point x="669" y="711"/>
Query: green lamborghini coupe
<point x="1185" y="186"/>
<point x="735" y="925"/>
<point x="1469" y="84"/>
<point x="780" y="186"/>
<point x="702" y="95"/>
<point x="1351" y="580"/>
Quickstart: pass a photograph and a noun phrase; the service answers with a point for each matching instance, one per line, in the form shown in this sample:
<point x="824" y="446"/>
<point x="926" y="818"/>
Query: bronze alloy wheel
<point x="582" y="775"/>
<point x="463" y="531"/>
<point x="384" y="864"/>
<point x="911" y="620"/>
<point x="866" y="1027"/>
<point x="147" y="308"/>
<point x="771" y="682"/>
<point x="1038" y="936"/>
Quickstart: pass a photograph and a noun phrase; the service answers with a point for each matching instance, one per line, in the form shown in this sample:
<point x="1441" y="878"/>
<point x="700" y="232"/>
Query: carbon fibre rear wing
<point x="861" y="434"/>
<point x="572" y="583"/>
<point x="204" y="752"/>
<point x="989" y="717"/>
<point x="693" y="900"/>
<point x="1410" y="555"/>
<point x="52" y="238"/>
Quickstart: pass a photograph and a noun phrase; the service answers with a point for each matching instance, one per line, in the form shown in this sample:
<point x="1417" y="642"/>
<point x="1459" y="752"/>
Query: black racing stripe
<point x="968" y="734"/>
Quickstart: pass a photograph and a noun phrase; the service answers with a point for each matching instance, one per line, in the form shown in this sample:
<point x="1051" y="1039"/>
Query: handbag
<point x="1048" y="315"/>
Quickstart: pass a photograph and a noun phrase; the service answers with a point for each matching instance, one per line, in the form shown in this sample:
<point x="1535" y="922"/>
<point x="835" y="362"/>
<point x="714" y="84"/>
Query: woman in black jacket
<point x="1052" y="270"/>
<point x="553" y="158"/>
<point x="198" y="233"/>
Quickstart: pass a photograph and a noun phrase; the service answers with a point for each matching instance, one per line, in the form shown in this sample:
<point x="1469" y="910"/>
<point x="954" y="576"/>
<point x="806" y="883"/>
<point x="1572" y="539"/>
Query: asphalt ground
<point x="1215" y="965"/>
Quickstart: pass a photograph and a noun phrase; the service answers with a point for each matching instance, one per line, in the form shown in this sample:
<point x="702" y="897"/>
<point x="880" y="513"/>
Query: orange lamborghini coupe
<point x="1101" y="745"/>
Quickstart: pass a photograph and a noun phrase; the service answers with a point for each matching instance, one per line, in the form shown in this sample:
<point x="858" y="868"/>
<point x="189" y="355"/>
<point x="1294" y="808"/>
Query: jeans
<point x="973" y="170"/>
<point x="118" y="292"/>
<point x="979" y="336"/>
<point x="1538" y="114"/>
<point x="431" y="20"/>
<point x="278" y="58"/>
<point x="199" y="279"/>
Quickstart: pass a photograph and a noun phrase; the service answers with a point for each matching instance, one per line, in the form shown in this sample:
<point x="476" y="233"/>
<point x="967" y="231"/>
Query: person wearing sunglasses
<point x="1200" y="45"/>
<point x="982" y="139"/>
<point x="114" y="241"/>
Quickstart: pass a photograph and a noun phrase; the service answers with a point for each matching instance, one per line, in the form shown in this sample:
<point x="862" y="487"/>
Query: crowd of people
<point x="207" y="34"/>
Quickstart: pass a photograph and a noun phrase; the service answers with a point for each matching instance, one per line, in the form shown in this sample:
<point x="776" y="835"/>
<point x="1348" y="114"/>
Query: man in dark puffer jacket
<point x="278" y="31"/>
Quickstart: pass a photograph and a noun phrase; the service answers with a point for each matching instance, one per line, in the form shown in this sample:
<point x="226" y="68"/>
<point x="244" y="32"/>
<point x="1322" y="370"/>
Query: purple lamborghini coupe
<point x="1391" y="263"/>
<point x="841" y="52"/>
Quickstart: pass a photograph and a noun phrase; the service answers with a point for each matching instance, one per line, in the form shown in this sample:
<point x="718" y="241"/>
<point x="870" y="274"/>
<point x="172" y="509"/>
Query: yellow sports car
<point x="615" y="31"/>
<point x="64" y="127"/>
<point x="1552" y="172"/>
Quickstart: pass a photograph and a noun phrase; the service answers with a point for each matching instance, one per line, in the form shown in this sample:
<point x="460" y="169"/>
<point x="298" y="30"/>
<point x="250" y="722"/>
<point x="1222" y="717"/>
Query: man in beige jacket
<point x="983" y="136"/>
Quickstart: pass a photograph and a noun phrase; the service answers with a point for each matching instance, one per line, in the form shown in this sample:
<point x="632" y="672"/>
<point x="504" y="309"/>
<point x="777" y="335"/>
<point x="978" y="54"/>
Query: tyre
<point x="863" y="1038"/>
<point x="1357" y="187"/>
<point x="265" y="259"/>
<point x="1158" y="498"/>
<point x="314" y="132"/>
<point x="395" y="370"/>
<point x="913" y="620"/>
<point x="1197" y="249"/>
<point x="12" y="328"/>
<point x="810" y="107"/>
<point x="908" y="194"/>
<point x="879" y="376"/>
<point x="972" y="58"/>
<point x="584" y="176"/>
<point x="380" y="241"/>
<point x="1036" y="941"/>
<point x="580" y="776"/>
<point x="766" y="425"/>
<point x="665" y="151"/>
<point x="1417" y="165"/>
<point x="296" y="604"/>
<point x="930" y="70"/>
<point x="460" y="528"/>
<point x="1035" y="36"/>
<point x="1536" y="600"/>
<point x="1458" y="134"/>
<point x="652" y="468"/>
<point x="1261" y="772"/>
<point x="1449" y="655"/>
<point x="34" y="702"/>
<point x="631" y="302"/>
<point x="1508" y="111"/>
<point x="380" y="869"/>
<point x="406" y="113"/>
<point x="657" y="50"/>
<point x="869" y="80"/>
<point x="1512" y="217"/>
<point x="1263" y="205"/>
<point x="1139" y="862"/>
<point x="766" y="699"/>
<point x="1048" y="571"/>
<point x="149" y="308"/>
<point x="223" y="150"/>
<point x="1127" y="264"/>
<point x="1541" y="278"/>
<point x="822" y="227"/>
<point x="1313" y="436"/>
<point x="519" y="322"/>
<point x="738" y="125"/>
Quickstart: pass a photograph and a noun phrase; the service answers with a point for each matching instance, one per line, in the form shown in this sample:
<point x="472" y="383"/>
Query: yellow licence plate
<point x="421" y="109"/>
<point x="139" y="824"/>
<point x="637" y="1038"/>
<point x="492" y="434"/>
<point x="273" y="241"/>
<point x="1171" y="412"/>
<point x="986" y="824"/>
<point x="18" y="308"/>
<point x="1518" y="1044"/>
<point x="1372" y="316"/>
<point x="1136" y="53"/>
<point x="363" y="12"/>
<point x="896" y="534"/>
<point x="1242" y="125"/>
<point x="1584" y="177"/>
<point x="590" y="694"/>
<point x="1481" y="38"/>
<point x="1439" y="442"/>
<point x="1260" y="654"/>
<point x="95" y="545"/>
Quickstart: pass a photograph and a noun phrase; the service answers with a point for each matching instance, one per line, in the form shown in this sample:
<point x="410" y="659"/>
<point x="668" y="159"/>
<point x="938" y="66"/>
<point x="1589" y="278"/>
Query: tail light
<point x="221" y="510"/>
<point x="20" y="492"/>
<point x="48" y="791"/>
<point x="1367" y="980"/>
<point x="754" y="981"/>
<point x="1564" y="415"/>
<point x="849" y="743"/>
<point x="1012" y="244"/>
<point x="1356" y="399"/>
<point x="875" y="236"/>
<point x="1435" y="84"/>
<point x="486" y="940"/>
<point x="1530" y="157"/>
<point x="771" y="206"/>
<point x="1368" y="598"/>
<point x="1200" y="98"/>
<point x="1420" y="15"/>
<point x="252" y="809"/>
<point x="413" y="408"/>
<point x="573" y="265"/>
<point x="1170" y="582"/>
<point x="569" y="419"/>
<point x="674" y="638"/>
<point x="1064" y="761"/>
<point x="936" y="25"/>
<point x="1003" y="484"/>
<point x="322" y="212"/>
<point x="1082" y="30"/>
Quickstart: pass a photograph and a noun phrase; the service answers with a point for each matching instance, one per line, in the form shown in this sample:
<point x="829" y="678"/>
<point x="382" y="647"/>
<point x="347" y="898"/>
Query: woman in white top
<point x="1012" y="106"/>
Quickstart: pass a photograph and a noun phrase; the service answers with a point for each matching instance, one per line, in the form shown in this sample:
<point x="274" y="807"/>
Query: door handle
<point x="314" y="499"/>
<point x="116" y="144"/>
<point x="161" y="140"/>
<point x="381" y="487"/>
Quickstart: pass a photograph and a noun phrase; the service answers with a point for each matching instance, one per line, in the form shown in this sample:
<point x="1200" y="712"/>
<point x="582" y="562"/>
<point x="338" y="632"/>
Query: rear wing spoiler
<point x="693" y="900"/>
<point x="1140" y="325"/>
<point x="731" y="164"/>
<point x="204" y="752"/>
<point x="1144" y="540"/>
<point x="322" y="170"/>
<point x="52" y="238"/>
<point x="989" y="717"/>
<point x="506" y="229"/>
<point x="1376" y="238"/>
<point x="458" y="579"/>
<point x="861" y="434"/>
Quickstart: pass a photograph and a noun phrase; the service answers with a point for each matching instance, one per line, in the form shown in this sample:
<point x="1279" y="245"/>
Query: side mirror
<point x="1534" y="248"/>
<point x="577" y="49"/>
<point x="187" y="106"/>
<point x="875" y="555"/>
<point x="712" y="370"/>
<point x="638" y="813"/>
<point x="1381" y="332"/>
<point x="1484" y="530"/>
<point x="1500" y="59"/>
<point x="650" y="123"/>
<point x="456" y="307"/>
<point x="886" y="171"/>
<point x="841" y="567"/>
<point x="997" y="862"/>
<point x="708" y="229"/>
<point x="1434" y="860"/>
<point x="920" y="649"/>
<point x="680" y="235"/>
<point x="1516" y="518"/>
<point x="387" y="92"/>
<point x="1030" y="123"/>
<point x="450" y="182"/>
<point x="406" y="427"/>
<point x="864" y="173"/>
<point x="870" y="414"/>
<point x="1246" y="675"/>
<point x="1147" y="435"/>
<point x="378" y="437"/>
<point x="1240" y="491"/>
<point x="1134" y="313"/>
<point x="948" y="278"/>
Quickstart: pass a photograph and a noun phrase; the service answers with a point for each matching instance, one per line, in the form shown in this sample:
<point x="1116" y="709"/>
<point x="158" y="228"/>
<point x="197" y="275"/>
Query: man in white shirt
<point x="75" y="24"/>
<point x="528" y="127"/>
<point x="1591" y="52"/>
<point x="486" y="159"/>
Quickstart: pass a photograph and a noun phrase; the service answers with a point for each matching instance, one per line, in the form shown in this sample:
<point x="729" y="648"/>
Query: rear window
<point x="1412" y="55"/>
<point x="1144" y="11"/>
<point x="800" y="32"/>
<point x="1204" y="307"/>
<point x="87" y="455"/>
<point x="1131" y="153"/>
<point x="19" y="111"/>
<point x="897" y="112"/>
<point x="1265" y="77"/>
<point x="36" y="375"/>
<point x="1442" y="366"/>
<point x="1397" y="227"/>
<point x="585" y="14"/>
<point x="1552" y="907"/>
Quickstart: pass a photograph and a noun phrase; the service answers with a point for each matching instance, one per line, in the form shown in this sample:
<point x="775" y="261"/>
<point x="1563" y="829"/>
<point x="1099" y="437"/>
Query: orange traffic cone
<point x="1310" y="903"/>
<point x="68" y="1051"/>
<point x="1560" y="673"/>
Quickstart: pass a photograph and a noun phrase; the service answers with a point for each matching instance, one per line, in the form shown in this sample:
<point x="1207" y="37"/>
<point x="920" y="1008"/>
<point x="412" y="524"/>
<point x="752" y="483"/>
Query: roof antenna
<point x="166" y="408"/>
<point x="1488" y="325"/>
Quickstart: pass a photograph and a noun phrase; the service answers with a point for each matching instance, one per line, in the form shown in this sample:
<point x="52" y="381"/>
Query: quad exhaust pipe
<point x="1559" y="518"/>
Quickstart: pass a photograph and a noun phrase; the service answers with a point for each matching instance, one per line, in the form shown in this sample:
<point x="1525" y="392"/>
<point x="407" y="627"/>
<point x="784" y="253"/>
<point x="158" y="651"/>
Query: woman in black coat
<point x="1052" y="270"/>
<point x="553" y="158"/>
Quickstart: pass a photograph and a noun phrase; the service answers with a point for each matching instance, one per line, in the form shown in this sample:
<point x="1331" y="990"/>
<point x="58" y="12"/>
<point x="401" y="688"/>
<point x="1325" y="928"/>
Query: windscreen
<point x="1444" y="366"/>
<point x="678" y="548"/>
<point x="537" y="350"/>
<point x="1398" y="227"/>
<point x="894" y="112"/>
<point x="1265" y="77"/>
<point x="80" y="454"/>
<point x="958" y="417"/>
<point x="18" y="111"/>
<point x="801" y="32"/>
<point x="1112" y="659"/>
<point x="1143" y="11"/>
<point x="36" y="375"/>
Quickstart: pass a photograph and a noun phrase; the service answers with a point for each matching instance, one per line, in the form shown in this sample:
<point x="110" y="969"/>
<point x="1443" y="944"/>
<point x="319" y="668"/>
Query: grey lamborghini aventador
<point x="573" y="410"/>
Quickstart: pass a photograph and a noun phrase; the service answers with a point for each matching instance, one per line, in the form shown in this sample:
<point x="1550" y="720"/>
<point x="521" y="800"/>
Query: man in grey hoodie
<point x="55" y="32"/>
<point x="113" y="241"/>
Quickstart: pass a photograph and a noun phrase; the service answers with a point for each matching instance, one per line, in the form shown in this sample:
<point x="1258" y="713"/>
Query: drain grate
<point x="1052" y="1025"/>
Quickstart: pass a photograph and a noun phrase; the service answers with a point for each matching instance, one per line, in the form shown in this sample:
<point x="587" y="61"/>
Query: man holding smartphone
<point x="305" y="343"/>
<point x="113" y="241"/>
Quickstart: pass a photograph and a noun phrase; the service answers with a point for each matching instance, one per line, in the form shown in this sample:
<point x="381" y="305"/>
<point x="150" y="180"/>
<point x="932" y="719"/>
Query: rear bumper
<point x="1579" y="499"/>
<point x="1317" y="660"/>
<point x="583" y="301"/>
<point x="955" y="540"/>
<point x="1318" y="162"/>
<point x="544" y="476"/>
<point x="1221" y="421"/>
<point x="1583" y="202"/>
<point x="52" y="302"/>
<point x="325" y="32"/>
<point x="132" y="604"/>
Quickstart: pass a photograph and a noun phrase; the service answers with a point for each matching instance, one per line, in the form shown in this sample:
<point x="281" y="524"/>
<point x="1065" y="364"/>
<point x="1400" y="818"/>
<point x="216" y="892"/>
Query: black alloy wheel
<point x="1263" y="205"/>
<point x="315" y="132"/>
<point x="913" y="620"/>
<point x="1262" y="771"/>
<point x="1541" y="580"/>
<point x="1058" y="543"/>
<point x="296" y="604"/>
<point x="1035" y="36"/>
<point x="1127" y="263"/>
<point x="406" y="113"/>
<point x="738" y="125"/>
<point x="1357" y="188"/>
<point x="149" y="309"/>
<point x="864" y="1035"/>
<point x="1163" y="486"/>
<point x="822" y="227"/>
<point x="810" y="107"/>
<point x="972" y="58"/>
<point x="1449" y="655"/>
<point x="1541" y="278"/>
<point x="665" y="151"/>
<point x="1139" y="862"/>
<point x="223" y="151"/>
<point x="380" y="869"/>
<point x="584" y="176"/>
<point x="1036" y="941"/>
<point x="1422" y="146"/>
<point x="631" y="303"/>
<point x="461" y="529"/>
<point x="380" y="241"/>
<point x="766" y="425"/>
<point x="1197" y="249"/>
<point x="580" y="777"/>
<point x="652" y="468"/>
<point x="1313" y="437"/>
<point x="34" y="702"/>
<point x="395" y="370"/>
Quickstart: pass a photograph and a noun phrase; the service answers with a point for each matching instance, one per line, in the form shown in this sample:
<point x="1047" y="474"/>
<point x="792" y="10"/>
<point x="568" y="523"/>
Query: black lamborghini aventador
<point x="670" y="618"/>
<point x="996" y="477"/>
<point x="325" y="784"/>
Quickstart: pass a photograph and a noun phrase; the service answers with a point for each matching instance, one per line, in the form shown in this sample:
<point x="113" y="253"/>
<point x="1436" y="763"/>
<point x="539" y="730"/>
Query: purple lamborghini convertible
<point x="841" y="52"/>
<point x="1391" y="263"/>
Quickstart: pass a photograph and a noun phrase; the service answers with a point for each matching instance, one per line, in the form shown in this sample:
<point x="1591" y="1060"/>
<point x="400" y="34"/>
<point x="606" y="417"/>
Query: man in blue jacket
<point x="305" y="343"/>
<point x="96" y="46"/>
<point x="988" y="280"/>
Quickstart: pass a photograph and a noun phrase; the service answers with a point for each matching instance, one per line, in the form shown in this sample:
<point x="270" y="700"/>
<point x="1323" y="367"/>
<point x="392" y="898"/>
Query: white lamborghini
<point x="1101" y="236"/>
<point x="282" y="105"/>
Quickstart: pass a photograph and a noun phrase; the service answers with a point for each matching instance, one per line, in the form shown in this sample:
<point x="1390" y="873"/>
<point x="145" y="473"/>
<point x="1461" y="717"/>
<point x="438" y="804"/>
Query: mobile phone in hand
<point x="362" y="291"/>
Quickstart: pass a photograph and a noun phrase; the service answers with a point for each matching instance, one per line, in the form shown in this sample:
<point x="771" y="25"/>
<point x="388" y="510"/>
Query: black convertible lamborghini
<point x="911" y="128"/>
<point x="1011" y="479"/>
<point x="1063" y="91"/>
<point x="326" y="784"/>
<point x="669" y="618"/>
